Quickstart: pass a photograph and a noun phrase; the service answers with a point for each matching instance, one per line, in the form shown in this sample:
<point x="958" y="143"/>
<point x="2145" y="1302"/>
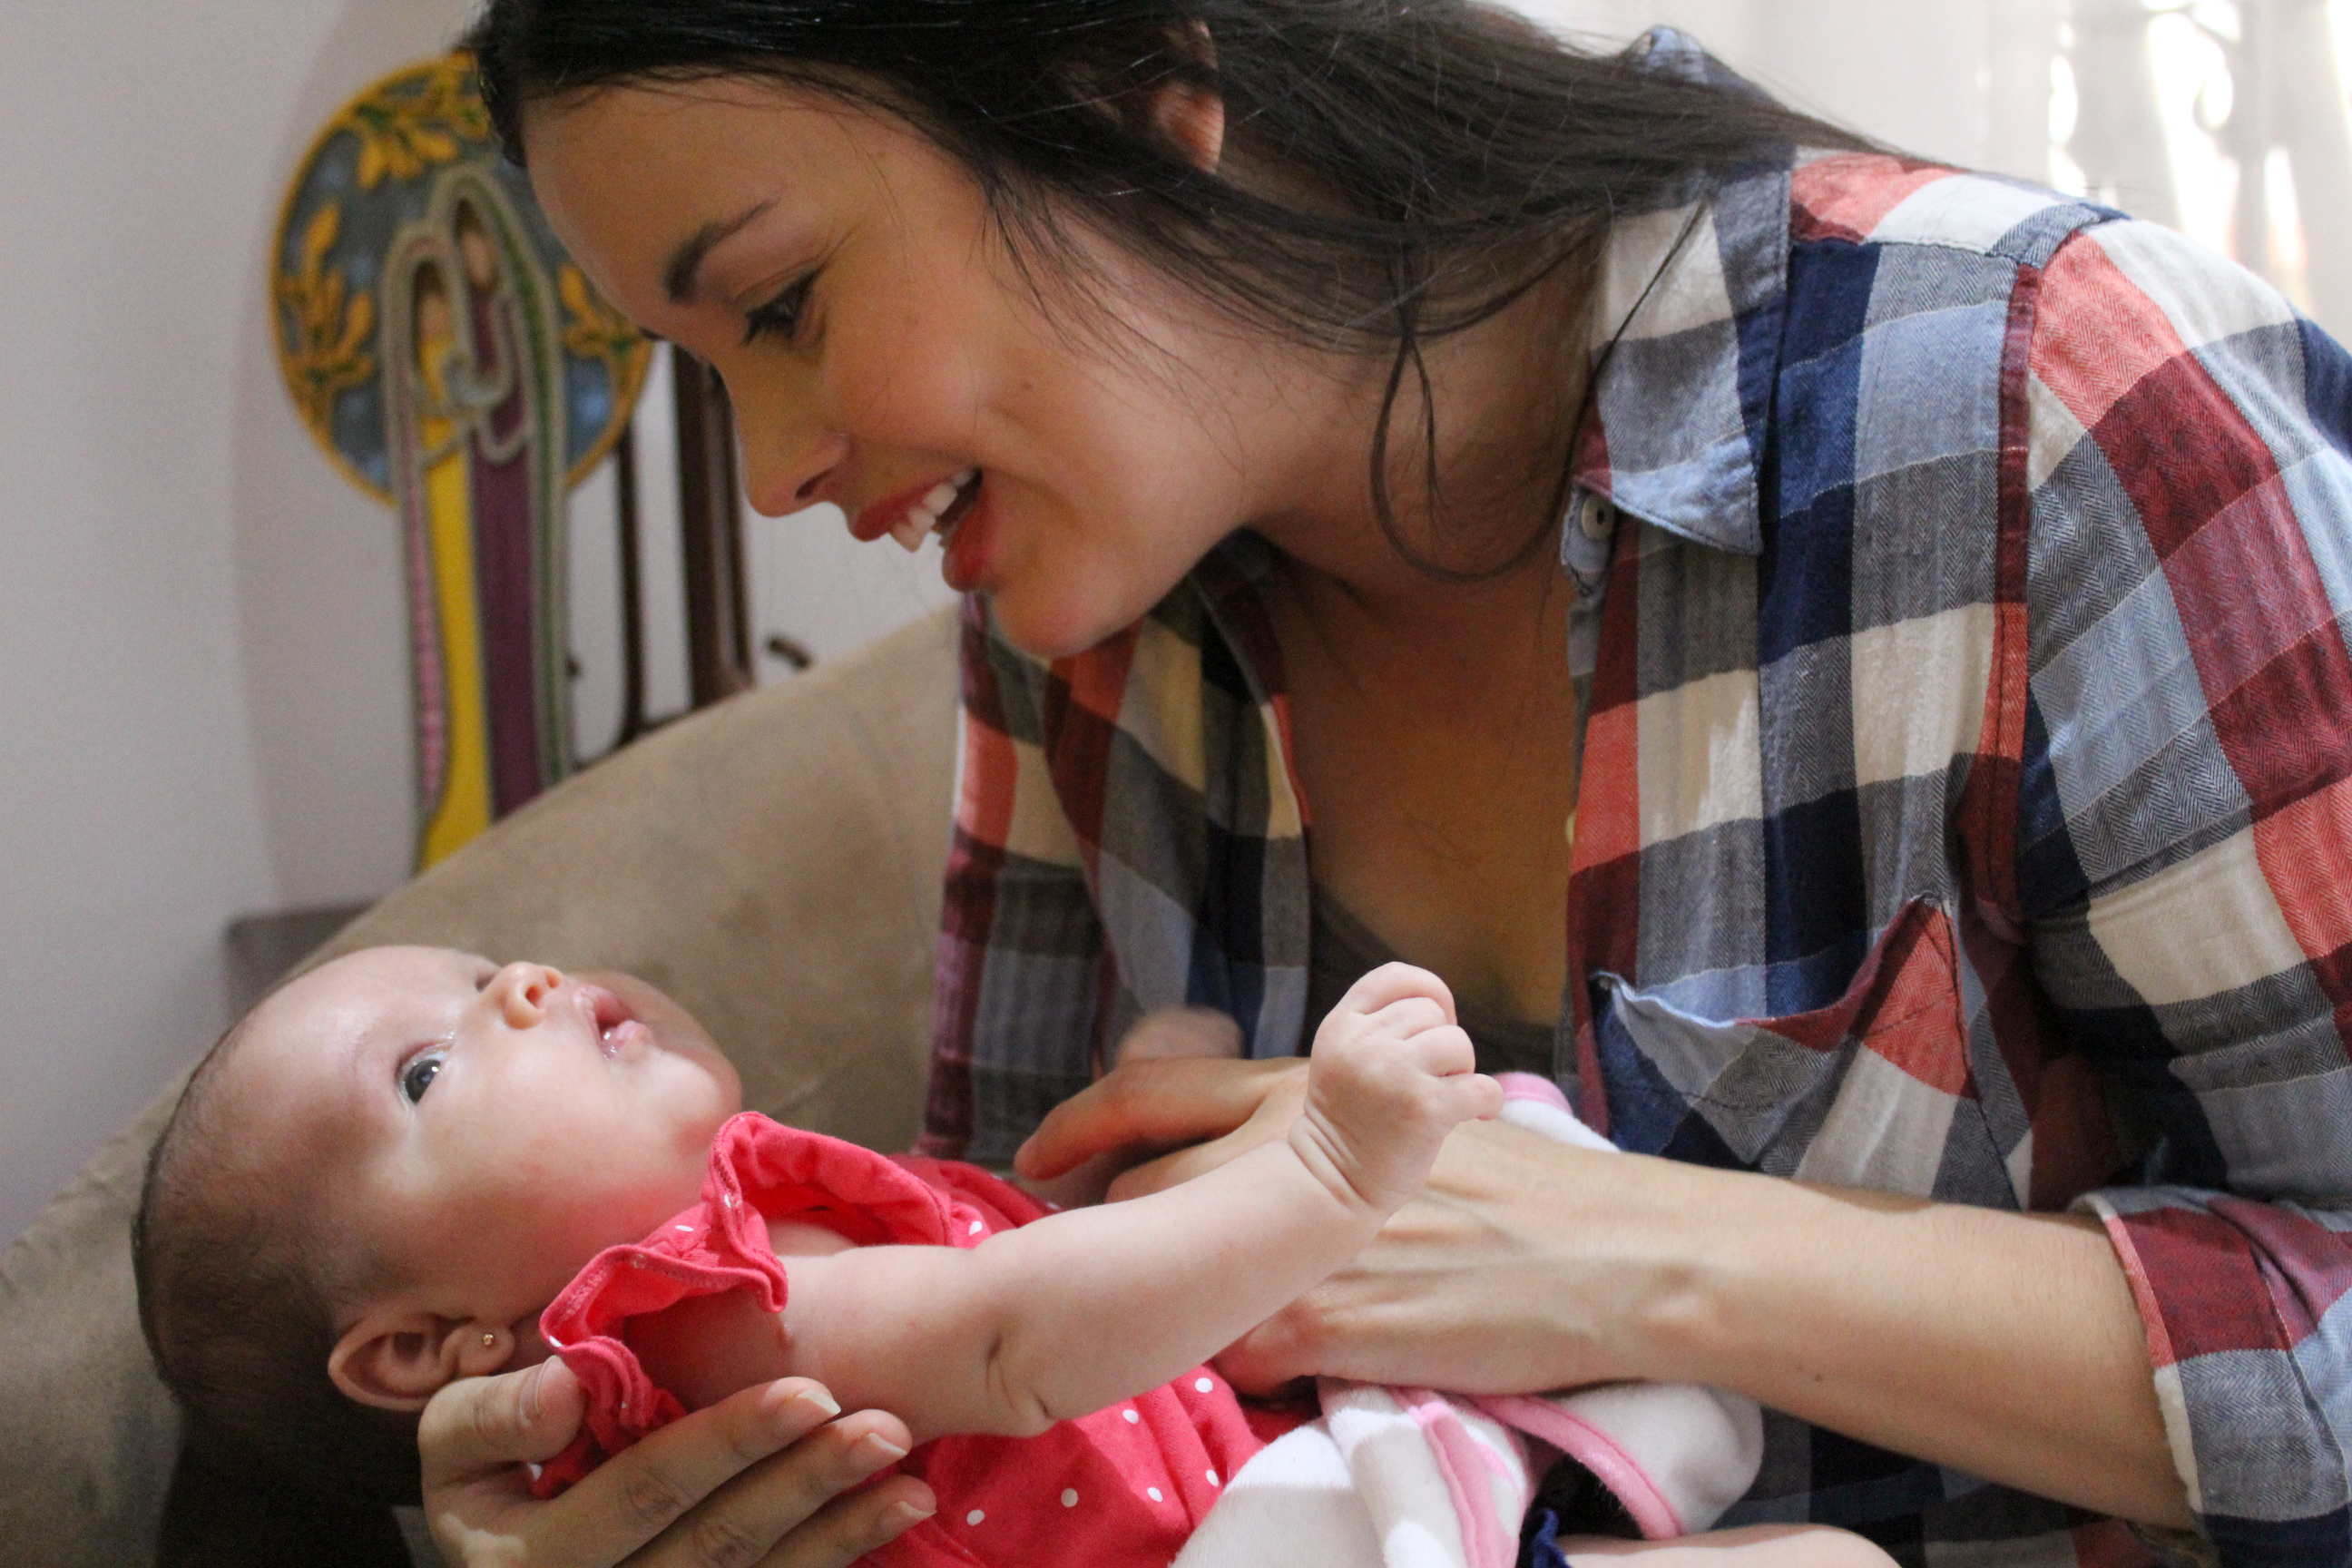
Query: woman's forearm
<point x="2005" y="1345"/>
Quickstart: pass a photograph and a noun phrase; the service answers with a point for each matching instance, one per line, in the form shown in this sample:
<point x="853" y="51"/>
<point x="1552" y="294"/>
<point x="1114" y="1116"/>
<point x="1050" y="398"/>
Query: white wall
<point x="147" y="145"/>
<point x="202" y="681"/>
<point x="203" y="677"/>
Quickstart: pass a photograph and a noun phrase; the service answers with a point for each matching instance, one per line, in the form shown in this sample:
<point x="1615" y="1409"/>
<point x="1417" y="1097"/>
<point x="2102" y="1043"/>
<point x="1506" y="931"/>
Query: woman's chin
<point x="1059" y="623"/>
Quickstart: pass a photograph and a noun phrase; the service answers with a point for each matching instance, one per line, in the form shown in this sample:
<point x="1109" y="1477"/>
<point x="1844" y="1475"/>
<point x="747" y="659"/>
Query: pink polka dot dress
<point x="1125" y="1485"/>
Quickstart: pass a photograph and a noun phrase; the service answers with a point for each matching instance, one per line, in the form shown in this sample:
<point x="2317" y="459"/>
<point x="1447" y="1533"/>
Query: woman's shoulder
<point x="1885" y="200"/>
<point x="2059" y="258"/>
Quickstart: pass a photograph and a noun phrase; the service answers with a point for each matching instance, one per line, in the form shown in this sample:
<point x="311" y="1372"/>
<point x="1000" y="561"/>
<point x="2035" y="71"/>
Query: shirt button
<point x="1598" y="518"/>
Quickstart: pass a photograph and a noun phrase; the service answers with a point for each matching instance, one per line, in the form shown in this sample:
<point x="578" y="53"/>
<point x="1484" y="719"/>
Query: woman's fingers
<point x="480" y="1424"/>
<point x="1195" y="1158"/>
<point x="639" y="1495"/>
<point x="849" y="1527"/>
<point x="794" y="1509"/>
<point x="756" y="1479"/>
<point x="1154" y="1104"/>
<point x="1181" y="1032"/>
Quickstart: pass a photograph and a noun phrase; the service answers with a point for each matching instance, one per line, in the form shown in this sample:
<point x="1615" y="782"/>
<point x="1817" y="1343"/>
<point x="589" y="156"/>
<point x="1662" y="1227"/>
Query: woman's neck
<point x="1441" y="567"/>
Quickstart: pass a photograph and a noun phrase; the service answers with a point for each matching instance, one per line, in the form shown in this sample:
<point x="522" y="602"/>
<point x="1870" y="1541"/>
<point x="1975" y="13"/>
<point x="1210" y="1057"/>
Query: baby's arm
<point x="1085" y="1308"/>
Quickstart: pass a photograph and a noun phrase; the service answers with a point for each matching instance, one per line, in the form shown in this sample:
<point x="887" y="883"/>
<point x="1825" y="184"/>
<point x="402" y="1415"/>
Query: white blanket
<point x="1406" y="1478"/>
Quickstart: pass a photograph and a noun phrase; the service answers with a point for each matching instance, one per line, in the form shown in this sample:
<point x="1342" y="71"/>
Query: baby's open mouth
<point x="617" y="1028"/>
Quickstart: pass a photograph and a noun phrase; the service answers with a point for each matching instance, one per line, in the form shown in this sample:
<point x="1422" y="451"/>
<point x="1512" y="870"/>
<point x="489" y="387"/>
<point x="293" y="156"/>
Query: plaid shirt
<point x="1966" y="804"/>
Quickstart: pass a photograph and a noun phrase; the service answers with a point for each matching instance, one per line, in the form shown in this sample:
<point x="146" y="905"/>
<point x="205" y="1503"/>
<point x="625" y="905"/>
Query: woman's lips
<point x="938" y="510"/>
<point x="964" y="565"/>
<point x="913" y="513"/>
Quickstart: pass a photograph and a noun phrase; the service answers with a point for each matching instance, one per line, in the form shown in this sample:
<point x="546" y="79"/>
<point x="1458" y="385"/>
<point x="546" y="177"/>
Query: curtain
<point x="2228" y="120"/>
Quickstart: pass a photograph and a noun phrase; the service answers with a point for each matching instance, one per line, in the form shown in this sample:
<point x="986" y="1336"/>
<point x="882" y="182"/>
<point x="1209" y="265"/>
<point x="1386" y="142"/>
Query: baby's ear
<point x="397" y="1358"/>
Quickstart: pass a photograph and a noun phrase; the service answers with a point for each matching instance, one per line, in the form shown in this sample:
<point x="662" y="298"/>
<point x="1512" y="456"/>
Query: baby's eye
<point x="416" y="1075"/>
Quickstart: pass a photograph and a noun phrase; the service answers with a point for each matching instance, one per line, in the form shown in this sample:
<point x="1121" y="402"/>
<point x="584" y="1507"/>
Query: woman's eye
<point x="779" y="315"/>
<point x="417" y="1074"/>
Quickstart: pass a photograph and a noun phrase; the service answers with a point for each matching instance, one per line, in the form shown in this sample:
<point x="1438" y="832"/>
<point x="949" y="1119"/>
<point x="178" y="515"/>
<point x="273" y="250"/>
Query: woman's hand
<point x="1165" y="1034"/>
<point x="1469" y="1287"/>
<point x="755" y="1479"/>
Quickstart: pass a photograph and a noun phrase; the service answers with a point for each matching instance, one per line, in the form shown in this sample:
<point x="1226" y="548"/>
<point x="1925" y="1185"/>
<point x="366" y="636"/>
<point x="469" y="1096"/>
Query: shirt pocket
<point x="1877" y="1089"/>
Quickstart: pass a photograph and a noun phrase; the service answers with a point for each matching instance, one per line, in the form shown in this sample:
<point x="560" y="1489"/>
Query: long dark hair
<point x="1393" y="170"/>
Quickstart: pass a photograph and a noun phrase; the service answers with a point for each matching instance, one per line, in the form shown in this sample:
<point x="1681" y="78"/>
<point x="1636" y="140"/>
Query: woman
<point x="1934" y="582"/>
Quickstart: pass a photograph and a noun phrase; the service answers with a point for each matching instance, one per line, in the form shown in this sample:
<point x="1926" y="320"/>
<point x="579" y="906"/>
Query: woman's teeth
<point x="912" y="530"/>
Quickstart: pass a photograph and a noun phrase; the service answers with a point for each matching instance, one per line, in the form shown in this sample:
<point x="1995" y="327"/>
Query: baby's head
<point x="379" y="1177"/>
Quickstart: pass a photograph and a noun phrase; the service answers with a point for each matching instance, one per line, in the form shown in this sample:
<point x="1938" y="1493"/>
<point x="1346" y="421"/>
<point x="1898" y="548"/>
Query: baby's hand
<point x="1391" y="1074"/>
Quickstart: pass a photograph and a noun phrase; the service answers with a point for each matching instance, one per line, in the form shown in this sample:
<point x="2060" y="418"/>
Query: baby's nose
<point x="521" y="991"/>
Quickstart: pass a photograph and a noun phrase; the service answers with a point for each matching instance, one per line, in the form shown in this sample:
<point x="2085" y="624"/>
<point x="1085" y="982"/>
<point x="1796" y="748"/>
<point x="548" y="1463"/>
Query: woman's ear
<point x="1193" y="118"/>
<point x="397" y="1358"/>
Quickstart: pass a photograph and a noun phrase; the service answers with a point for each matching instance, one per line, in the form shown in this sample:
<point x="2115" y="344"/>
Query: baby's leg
<point x="1390" y="1073"/>
<point x="1757" y="1546"/>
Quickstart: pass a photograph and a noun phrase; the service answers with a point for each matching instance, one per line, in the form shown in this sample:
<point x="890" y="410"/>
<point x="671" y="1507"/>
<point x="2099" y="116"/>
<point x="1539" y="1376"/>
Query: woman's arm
<point x="1080" y="1309"/>
<point x="2002" y="1344"/>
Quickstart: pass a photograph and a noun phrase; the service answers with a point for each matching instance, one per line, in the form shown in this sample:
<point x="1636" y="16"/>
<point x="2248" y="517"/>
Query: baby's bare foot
<point x="1391" y="1073"/>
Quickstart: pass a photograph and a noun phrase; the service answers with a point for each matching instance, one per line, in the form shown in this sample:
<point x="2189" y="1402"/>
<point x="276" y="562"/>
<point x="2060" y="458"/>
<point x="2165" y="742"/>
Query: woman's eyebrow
<point x="679" y="277"/>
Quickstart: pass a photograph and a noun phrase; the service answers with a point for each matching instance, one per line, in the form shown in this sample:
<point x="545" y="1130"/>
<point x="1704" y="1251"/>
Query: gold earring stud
<point x="490" y="1340"/>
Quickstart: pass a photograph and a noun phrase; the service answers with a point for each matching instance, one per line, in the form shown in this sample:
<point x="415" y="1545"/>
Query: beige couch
<point x="773" y="862"/>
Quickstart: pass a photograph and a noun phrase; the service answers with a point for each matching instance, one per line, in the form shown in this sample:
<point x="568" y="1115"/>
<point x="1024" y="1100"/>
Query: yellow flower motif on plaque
<point x="403" y="136"/>
<point x="592" y="328"/>
<point x="330" y="326"/>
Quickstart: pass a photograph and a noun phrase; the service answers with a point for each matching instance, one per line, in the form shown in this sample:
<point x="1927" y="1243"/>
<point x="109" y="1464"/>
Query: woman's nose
<point x="788" y="456"/>
<point x="519" y="993"/>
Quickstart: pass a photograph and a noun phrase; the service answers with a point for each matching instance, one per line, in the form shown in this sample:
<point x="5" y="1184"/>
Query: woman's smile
<point x="922" y="379"/>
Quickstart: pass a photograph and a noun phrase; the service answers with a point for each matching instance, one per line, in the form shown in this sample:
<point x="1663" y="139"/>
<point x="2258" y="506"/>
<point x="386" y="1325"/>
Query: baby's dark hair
<point x="239" y="1291"/>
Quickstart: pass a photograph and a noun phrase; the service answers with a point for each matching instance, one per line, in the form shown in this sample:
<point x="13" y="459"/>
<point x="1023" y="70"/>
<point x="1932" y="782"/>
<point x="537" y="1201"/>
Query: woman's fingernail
<point x="878" y="1448"/>
<point x="818" y="1399"/>
<point x="900" y="1516"/>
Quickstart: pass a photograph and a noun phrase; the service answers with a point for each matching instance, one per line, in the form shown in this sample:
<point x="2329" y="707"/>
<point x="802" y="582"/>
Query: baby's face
<point x="483" y="1126"/>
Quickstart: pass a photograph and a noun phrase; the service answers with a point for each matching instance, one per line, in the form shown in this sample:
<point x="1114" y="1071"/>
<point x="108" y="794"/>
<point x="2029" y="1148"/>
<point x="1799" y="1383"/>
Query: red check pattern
<point x="1966" y="796"/>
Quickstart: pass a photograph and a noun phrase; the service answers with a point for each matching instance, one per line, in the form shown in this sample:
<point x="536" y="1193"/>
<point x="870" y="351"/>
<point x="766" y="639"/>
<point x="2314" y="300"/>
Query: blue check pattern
<point x="1966" y="805"/>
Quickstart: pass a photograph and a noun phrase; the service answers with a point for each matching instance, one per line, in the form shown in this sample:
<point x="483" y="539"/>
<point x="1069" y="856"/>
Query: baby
<point x="411" y="1165"/>
<point x="384" y="1173"/>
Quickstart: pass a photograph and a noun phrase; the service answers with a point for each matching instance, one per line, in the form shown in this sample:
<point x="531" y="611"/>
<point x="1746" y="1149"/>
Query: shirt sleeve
<point x="1017" y="997"/>
<point x="2185" y="844"/>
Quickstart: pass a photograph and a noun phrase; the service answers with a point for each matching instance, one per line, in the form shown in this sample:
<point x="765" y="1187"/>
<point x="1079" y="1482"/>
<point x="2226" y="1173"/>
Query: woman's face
<point x="845" y="279"/>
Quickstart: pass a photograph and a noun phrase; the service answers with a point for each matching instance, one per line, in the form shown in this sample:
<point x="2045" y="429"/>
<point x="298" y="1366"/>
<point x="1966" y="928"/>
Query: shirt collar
<point x="1686" y="334"/>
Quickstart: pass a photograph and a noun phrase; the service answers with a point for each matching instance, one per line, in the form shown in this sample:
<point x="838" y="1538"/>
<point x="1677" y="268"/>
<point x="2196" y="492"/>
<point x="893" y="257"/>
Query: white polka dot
<point x="1151" y="1492"/>
<point x="1213" y="1478"/>
<point x="1069" y="1497"/>
<point x="1203" y="1385"/>
<point x="975" y="1516"/>
<point x="977" y="1227"/>
<point x="1131" y="1416"/>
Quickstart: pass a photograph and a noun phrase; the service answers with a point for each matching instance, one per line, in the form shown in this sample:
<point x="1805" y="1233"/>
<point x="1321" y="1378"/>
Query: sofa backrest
<point x="773" y="862"/>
